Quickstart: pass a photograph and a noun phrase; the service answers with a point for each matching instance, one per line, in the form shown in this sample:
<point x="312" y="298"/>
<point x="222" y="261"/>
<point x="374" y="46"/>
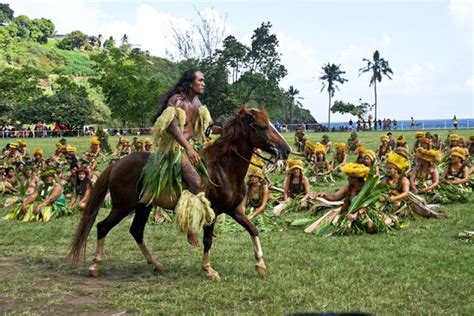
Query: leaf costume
<point x="162" y="175"/>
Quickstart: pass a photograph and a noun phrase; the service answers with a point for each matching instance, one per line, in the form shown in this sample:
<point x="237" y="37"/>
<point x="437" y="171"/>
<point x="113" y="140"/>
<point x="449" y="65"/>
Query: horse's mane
<point x="233" y="131"/>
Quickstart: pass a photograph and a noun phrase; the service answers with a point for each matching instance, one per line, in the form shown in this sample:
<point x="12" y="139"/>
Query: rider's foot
<point x="192" y="239"/>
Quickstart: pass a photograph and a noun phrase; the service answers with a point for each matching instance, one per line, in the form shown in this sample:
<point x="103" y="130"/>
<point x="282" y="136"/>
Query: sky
<point x="429" y="44"/>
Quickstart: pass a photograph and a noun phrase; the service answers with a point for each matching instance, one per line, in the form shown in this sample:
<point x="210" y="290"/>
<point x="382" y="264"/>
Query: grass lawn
<point x="421" y="269"/>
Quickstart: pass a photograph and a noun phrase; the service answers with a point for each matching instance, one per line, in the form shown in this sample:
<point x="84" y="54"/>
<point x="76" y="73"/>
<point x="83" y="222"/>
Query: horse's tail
<point x="88" y="216"/>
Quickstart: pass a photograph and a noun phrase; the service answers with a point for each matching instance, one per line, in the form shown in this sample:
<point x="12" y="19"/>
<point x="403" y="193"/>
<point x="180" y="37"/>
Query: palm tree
<point x="331" y="76"/>
<point x="378" y="66"/>
<point x="291" y="94"/>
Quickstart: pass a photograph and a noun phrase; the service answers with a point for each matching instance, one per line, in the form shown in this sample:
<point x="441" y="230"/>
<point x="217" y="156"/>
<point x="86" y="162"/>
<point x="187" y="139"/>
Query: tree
<point x="129" y="83"/>
<point x="378" y="67"/>
<point x="18" y="87"/>
<point x="234" y="54"/>
<point x="6" y="13"/>
<point x="70" y="104"/>
<point x="200" y="40"/>
<point x="292" y="93"/>
<point x="44" y="29"/>
<point x="360" y="111"/>
<point x="73" y="40"/>
<point x="331" y="76"/>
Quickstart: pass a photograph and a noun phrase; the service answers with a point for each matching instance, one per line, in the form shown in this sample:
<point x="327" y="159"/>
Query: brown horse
<point x="227" y="160"/>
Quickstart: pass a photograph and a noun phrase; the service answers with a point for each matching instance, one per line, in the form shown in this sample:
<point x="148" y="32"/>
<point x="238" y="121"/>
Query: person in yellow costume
<point x="425" y="175"/>
<point x="257" y="194"/>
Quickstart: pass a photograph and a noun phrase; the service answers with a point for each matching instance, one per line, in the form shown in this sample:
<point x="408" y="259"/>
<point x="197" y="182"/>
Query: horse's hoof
<point x="158" y="268"/>
<point x="94" y="271"/>
<point x="261" y="269"/>
<point x="214" y="275"/>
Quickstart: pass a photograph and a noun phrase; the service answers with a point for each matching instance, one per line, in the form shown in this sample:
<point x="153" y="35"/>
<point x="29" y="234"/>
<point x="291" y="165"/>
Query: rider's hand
<point x="193" y="156"/>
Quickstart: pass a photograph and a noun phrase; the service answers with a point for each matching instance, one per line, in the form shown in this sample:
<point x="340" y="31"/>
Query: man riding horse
<point x="180" y="120"/>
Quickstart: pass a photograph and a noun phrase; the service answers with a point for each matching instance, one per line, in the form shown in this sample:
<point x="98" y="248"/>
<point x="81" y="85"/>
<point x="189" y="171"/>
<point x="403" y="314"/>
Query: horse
<point x="227" y="161"/>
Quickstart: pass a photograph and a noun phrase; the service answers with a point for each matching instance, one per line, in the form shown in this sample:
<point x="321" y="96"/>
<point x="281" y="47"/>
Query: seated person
<point x="82" y="190"/>
<point x="256" y="197"/>
<point x="457" y="171"/>
<point x="425" y="176"/>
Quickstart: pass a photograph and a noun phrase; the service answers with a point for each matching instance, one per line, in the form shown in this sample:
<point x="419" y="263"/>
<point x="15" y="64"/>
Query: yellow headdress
<point x="124" y="141"/>
<point x="428" y="155"/>
<point x="340" y="146"/>
<point x="294" y="164"/>
<point x="71" y="149"/>
<point x="355" y="170"/>
<point x="401" y="140"/>
<point x="419" y="135"/>
<point x="21" y="142"/>
<point x="461" y="140"/>
<point x="370" y="153"/>
<point x="139" y="141"/>
<point x="361" y="149"/>
<point x="454" y="137"/>
<point x="320" y="148"/>
<point x="255" y="172"/>
<point x="38" y="150"/>
<point x="95" y="141"/>
<point x="12" y="145"/>
<point x="310" y="145"/>
<point x="458" y="151"/>
<point x="402" y="151"/>
<point x="147" y="141"/>
<point x="384" y="138"/>
<point x="256" y="161"/>
<point x="400" y="162"/>
<point x="59" y="146"/>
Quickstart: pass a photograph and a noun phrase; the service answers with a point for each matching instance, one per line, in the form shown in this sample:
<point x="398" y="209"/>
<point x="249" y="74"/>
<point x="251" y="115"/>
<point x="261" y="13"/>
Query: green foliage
<point x="332" y="75"/>
<point x="6" y="14"/>
<point x="69" y="104"/>
<point x="129" y="84"/>
<point x="18" y="87"/>
<point x="74" y="40"/>
<point x="348" y="108"/>
<point x="37" y="30"/>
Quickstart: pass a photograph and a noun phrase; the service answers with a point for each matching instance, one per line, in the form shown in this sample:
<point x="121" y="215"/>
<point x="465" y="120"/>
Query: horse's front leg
<point x="206" y="259"/>
<point x="240" y="217"/>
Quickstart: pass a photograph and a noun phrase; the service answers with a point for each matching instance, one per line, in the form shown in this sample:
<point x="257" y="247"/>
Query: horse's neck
<point x="235" y="163"/>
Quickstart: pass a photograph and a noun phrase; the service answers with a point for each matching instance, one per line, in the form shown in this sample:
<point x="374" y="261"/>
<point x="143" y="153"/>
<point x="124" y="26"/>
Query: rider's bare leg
<point x="193" y="180"/>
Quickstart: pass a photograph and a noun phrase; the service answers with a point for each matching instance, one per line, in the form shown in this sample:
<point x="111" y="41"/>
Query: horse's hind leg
<point x="240" y="217"/>
<point x="206" y="259"/>
<point x="103" y="227"/>
<point x="138" y="226"/>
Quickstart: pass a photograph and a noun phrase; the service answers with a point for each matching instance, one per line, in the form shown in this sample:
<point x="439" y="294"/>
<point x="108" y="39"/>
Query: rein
<point x="250" y="121"/>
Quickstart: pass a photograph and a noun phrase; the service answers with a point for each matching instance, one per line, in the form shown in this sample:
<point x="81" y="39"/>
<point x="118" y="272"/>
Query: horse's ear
<point x="244" y="110"/>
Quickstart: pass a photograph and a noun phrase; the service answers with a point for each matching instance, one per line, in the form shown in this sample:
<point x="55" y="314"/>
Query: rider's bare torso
<point x="191" y="108"/>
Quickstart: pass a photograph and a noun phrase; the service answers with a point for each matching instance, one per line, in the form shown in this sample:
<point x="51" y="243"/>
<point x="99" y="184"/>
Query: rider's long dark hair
<point x="183" y="85"/>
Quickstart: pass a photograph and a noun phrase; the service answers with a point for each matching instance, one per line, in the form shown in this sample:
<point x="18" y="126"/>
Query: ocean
<point x="406" y="124"/>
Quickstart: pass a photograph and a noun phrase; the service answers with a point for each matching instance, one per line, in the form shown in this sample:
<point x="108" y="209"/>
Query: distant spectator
<point x="455" y="122"/>
<point x="412" y="125"/>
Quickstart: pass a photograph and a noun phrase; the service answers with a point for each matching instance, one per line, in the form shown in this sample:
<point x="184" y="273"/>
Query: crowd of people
<point x="408" y="181"/>
<point x="44" y="187"/>
<point x="432" y="171"/>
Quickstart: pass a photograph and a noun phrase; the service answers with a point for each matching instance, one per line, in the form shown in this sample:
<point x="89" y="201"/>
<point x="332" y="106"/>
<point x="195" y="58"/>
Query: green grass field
<point x="421" y="269"/>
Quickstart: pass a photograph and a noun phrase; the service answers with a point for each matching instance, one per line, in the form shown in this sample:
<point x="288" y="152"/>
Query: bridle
<point x="258" y="132"/>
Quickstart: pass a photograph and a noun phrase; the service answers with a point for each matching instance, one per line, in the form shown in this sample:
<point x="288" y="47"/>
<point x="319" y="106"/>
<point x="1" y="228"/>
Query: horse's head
<point x="262" y="134"/>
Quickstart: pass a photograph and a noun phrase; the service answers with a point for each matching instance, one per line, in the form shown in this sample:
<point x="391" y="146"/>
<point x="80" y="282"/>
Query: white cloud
<point x="462" y="12"/>
<point x="470" y="82"/>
